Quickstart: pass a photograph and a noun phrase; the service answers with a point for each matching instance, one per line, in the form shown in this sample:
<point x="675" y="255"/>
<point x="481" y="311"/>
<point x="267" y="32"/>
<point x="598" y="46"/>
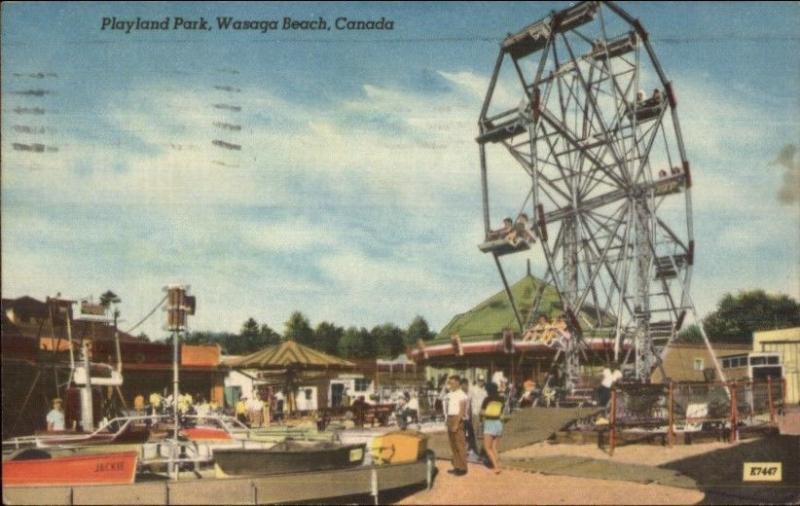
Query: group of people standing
<point x="255" y="412"/>
<point x="468" y="413"/>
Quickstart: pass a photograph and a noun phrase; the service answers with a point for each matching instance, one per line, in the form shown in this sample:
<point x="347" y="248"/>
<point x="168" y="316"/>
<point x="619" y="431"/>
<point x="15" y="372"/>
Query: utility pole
<point x="179" y="304"/>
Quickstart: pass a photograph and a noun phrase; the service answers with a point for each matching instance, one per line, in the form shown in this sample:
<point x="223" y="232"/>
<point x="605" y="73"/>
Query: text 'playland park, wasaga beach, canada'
<point x="233" y="24"/>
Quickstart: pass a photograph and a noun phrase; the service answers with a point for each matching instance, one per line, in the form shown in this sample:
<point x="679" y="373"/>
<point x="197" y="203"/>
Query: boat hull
<point x="101" y="469"/>
<point x="288" y="458"/>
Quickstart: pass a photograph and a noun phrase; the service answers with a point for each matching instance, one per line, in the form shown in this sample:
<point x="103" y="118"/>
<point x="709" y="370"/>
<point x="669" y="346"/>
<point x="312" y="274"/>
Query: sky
<point x="355" y="196"/>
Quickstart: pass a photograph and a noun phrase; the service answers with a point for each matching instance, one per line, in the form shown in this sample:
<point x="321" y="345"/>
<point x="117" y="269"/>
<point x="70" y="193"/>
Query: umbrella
<point x="292" y="358"/>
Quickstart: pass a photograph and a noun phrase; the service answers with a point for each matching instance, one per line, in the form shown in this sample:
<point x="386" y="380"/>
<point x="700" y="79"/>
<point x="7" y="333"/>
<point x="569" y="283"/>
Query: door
<point x="337" y="395"/>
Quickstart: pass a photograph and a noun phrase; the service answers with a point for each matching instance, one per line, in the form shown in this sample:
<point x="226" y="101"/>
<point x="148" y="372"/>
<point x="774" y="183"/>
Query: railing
<point x="668" y="408"/>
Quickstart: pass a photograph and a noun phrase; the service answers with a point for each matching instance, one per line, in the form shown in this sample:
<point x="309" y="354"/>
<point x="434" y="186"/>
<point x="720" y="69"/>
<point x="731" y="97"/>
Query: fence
<point x="727" y="407"/>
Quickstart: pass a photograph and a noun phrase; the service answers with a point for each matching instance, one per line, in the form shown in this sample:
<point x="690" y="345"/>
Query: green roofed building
<point x="488" y="336"/>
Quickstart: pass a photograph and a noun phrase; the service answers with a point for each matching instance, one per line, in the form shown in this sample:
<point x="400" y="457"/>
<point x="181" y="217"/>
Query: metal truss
<point x="606" y="178"/>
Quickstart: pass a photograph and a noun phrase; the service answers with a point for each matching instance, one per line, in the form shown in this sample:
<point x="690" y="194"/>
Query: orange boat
<point x="206" y="434"/>
<point x="41" y="469"/>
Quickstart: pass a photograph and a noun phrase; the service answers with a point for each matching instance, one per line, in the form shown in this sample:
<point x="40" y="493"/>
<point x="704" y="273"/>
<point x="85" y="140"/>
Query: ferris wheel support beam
<point x="508" y="291"/>
<point x="591" y="99"/>
<point x="553" y="122"/>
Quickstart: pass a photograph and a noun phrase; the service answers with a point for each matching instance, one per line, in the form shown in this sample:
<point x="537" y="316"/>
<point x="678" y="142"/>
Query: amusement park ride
<point x="604" y="177"/>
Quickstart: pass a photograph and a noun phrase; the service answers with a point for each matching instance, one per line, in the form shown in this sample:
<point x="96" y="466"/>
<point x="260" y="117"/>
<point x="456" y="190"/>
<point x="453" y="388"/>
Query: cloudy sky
<point x="355" y="195"/>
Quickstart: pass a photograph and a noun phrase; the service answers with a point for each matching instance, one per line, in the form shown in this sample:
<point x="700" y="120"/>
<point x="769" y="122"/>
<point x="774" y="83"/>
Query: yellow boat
<point x="399" y="447"/>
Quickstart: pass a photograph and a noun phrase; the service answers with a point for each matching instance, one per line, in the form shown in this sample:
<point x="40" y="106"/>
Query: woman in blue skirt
<point x="491" y="413"/>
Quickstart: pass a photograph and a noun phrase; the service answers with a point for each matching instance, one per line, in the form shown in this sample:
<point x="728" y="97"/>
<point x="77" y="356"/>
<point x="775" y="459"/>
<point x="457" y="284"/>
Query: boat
<point x="129" y="430"/>
<point x="399" y="447"/>
<point x="35" y="467"/>
<point x="288" y="457"/>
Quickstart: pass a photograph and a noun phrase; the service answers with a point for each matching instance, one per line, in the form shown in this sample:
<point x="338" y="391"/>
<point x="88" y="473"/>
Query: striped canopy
<point x="290" y="355"/>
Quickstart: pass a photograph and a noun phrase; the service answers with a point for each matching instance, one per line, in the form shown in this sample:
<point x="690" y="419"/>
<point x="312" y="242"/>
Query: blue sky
<point x="356" y="196"/>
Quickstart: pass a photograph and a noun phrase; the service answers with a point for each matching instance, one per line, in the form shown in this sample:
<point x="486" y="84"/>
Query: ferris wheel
<point x="581" y="147"/>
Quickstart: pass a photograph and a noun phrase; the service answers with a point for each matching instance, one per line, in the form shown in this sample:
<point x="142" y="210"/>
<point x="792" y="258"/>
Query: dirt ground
<point x="482" y="486"/>
<point x="647" y="455"/>
<point x="696" y="461"/>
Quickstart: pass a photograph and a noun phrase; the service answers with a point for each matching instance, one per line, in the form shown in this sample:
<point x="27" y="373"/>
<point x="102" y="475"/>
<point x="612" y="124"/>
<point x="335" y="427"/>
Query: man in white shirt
<point x="611" y="375"/>
<point x="455" y="406"/>
<point x="499" y="379"/>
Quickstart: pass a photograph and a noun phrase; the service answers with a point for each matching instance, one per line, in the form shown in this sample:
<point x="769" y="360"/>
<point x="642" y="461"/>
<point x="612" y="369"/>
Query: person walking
<point x="491" y="413"/>
<point x="455" y="412"/>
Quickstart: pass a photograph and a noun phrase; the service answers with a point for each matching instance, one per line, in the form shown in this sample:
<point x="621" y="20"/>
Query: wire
<point x="148" y="315"/>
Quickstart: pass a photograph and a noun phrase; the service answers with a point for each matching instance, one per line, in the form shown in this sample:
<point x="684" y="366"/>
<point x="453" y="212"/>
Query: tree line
<point x="382" y="341"/>
<point x="738" y="316"/>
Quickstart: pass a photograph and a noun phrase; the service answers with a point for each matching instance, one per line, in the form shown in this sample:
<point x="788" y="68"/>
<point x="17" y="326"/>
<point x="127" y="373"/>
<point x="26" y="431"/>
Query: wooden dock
<point x="287" y="488"/>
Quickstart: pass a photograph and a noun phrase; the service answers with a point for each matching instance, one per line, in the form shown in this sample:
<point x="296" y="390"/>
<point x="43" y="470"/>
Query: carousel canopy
<point x="488" y="319"/>
<point x="290" y="355"/>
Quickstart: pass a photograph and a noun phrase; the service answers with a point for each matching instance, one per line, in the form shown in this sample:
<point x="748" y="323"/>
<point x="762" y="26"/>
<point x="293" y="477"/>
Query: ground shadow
<point x="719" y="474"/>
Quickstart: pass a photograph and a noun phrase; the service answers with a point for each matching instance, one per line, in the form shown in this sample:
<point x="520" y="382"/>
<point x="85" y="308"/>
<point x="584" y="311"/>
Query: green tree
<point x="109" y="298"/>
<point x="418" y="329"/>
<point x="389" y="340"/>
<point x="738" y="316"/>
<point x="356" y="343"/>
<point x="268" y="337"/>
<point x="690" y="334"/>
<point x="327" y="336"/>
<point x="297" y="328"/>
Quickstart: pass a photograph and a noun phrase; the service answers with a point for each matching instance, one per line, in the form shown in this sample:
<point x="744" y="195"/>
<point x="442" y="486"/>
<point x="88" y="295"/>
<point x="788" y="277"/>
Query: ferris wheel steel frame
<point x="621" y="259"/>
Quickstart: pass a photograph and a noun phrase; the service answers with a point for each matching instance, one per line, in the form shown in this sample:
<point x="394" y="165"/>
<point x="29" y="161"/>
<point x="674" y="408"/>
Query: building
<point x="486" y="338"/>
<point x="36" y="362"/>
<point x="786" y="343"/>
<point x="375" y="380"/>
<point x="693" y="362"/>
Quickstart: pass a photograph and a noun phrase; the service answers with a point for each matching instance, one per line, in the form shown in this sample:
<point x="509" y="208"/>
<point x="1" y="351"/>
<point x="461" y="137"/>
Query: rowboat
<point x="33" y="467"/>
<point x="288" y="457"/>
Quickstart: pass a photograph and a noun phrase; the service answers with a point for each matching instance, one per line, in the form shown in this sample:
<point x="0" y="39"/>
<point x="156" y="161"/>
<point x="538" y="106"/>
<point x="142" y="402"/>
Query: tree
<point x="418" y="329"/>
<point x="690" y="334"/>
<point x="327" y="336"/>
<point x="268" y="336"/>
<point x="389" y="340"/>
<point x="297" y="328"/>
<point x="356" y="343"/>
<point x="737" y="317"/>
<point x="109" y="298"/>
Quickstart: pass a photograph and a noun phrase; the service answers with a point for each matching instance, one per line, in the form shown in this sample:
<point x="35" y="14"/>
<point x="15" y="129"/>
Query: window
<point x="362" y="384"/>
<point x="699" y="364"/>
<point x="308" y="394"/>
<point x="773" y="360"/>
<point x="758" y="360"/>
<point x="726" y="363"/>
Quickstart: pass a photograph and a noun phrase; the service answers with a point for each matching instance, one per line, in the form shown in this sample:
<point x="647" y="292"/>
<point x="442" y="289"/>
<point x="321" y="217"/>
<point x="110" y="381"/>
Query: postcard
<point x="412" y="253"/>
